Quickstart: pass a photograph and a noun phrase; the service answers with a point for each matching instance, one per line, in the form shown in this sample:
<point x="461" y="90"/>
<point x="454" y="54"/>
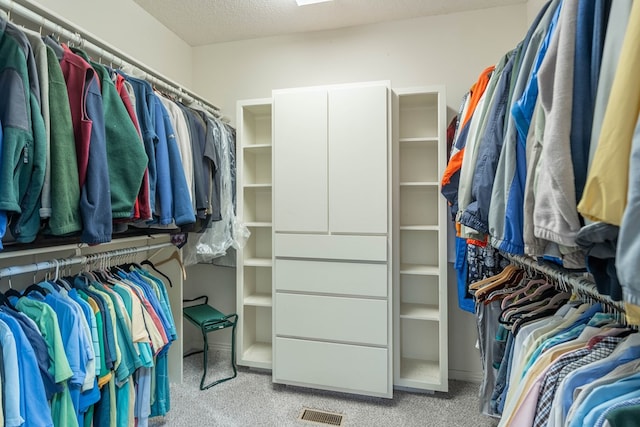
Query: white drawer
<point x="340" y="367"/>
<point x="354" y="320"/>
<point x="360" y="248"/>
<point x="331" y="277"/>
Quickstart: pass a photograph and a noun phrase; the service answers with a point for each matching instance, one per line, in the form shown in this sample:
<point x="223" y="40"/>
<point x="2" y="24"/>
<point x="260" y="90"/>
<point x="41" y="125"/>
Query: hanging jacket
<point x="182" y="209"/>
<point x="451" y="177"/>
<point x="212" y="152"/>
<point x="87" y="116"/>
<point x="40" y="54"/>
<point x="65" y="186"/>
<point x="23" y="154"/>
<point x="126" y="156"/>
<point x="605" y="194"/>
<point x="145" y="113"/>
<point x="476" y="214"/>
<point x="616" y="29"/>
<point x="201" y="170"/>
<point x="477" y="128"/>
<point x="142" y="207"/>
<point x="3" y="214"/>
<point x="164" y="195"/>
<point x="505" y="215"/>
<point x="474" y="146"/>
<point x="183" y="139"/>
<point x="591" y="24"/>
<point x="555" y="215"/>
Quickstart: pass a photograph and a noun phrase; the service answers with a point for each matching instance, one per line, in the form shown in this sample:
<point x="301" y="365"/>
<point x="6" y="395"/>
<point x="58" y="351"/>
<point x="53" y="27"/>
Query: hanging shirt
<point x="62" y="409"/>
<point x="32" y="393"/>
<point x="40" y="349"/>
<point x="11" y="405"/>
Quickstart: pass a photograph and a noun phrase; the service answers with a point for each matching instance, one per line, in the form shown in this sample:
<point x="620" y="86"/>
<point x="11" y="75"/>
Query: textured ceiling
<point x="200" y="22"/>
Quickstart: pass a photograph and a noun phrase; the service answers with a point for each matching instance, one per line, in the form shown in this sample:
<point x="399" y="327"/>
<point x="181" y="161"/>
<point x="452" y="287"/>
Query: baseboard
<point x="474" y="377"/>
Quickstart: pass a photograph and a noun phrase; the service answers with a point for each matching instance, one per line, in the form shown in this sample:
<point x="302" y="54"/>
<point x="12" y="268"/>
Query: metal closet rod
<point x="84" y="259"/>
<point x="575" y="281"/>
<point x="52" y="22"/>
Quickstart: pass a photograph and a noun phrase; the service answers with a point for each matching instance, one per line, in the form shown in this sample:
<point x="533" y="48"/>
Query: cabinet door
<point x="358" y="154"/>
<point x="300" y="161"/>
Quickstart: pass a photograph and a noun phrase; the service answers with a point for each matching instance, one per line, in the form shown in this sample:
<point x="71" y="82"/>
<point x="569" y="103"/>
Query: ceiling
<point x="201" y="22"/>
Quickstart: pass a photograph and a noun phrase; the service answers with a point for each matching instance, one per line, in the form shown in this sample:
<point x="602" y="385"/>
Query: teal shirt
<point x="62" y="409"/>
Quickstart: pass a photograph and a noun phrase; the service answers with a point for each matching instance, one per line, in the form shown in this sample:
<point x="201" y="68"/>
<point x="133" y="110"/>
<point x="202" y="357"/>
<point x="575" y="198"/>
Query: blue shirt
<point x="12" y="410"/>
<point x="40" y="349"/>
<point x="70" y="330"/>
<point x="603" y="397"/>
<point x="182" y="208"/>
<point x="596" y="370"/>
<point x="33" y="399"/>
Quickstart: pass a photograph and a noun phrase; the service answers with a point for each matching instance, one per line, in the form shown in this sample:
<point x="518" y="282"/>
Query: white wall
<point x="128" y="27"/>
<point x="448" y="49"/>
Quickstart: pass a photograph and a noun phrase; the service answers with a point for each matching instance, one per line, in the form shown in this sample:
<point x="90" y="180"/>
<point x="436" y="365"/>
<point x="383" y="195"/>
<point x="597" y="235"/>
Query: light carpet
<point x="251" y="399"/>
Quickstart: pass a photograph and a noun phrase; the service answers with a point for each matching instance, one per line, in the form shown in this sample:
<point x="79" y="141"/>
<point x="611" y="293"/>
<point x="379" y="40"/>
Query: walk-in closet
<point x="329" y="212"/>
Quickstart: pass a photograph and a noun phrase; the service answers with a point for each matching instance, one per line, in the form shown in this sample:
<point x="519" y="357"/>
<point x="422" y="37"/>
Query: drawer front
<point x="360" y="248"/>
<point x="331" y="277"/>
<point x="341" y="367"/>
<point x="354" y="320"/>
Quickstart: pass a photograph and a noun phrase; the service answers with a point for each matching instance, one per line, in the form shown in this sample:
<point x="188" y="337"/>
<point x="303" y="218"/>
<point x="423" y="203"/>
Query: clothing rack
<point x="579" y="283"/>
<point x="52" y="22"/>
<point x="82" y="260"/>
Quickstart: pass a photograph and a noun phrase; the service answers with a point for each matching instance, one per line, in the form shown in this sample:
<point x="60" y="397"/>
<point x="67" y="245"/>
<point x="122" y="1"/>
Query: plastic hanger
<point x="512" y="276"/>
<point x="479" y="284"/>
<point x="175" y="256"/>
<point x="531" y="285"/>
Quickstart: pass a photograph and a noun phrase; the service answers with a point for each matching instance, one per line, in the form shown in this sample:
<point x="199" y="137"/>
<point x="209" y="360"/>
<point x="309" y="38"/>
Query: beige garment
<point x="605" y="194"/>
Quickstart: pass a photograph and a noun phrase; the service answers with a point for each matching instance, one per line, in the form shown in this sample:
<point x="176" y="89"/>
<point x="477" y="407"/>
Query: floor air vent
<point x="321" y="417"/>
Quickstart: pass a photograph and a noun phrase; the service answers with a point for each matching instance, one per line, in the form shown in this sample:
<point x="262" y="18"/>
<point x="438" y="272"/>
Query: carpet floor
<point x="251" y="399"/>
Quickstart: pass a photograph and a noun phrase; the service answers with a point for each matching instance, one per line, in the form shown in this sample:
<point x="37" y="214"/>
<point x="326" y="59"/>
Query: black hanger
<point x="150" y="264"/>
<point x="12" y="293"/>
<point x="37" y="288"/>
<point x="4" y="300"/>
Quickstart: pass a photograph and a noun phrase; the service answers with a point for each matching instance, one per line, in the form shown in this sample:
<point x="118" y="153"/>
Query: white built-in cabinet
<point x="254" y="207"/>
<point x="342" y="284"/>
<point x="420" y="277"/>
<point x="332" y="259"/>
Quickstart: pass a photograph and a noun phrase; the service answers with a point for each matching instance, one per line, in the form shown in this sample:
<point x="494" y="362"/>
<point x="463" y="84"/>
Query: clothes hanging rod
<point x="83" y="259"/>
<point x="52" y="22"/>
<point x="576" y="281"/>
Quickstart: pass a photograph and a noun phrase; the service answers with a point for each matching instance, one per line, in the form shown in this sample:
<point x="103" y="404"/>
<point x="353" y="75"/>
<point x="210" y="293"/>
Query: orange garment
<point x="476" y="92"/>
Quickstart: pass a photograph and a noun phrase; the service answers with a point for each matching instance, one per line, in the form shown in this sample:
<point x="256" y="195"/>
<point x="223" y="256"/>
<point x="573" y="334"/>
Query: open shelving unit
<point x="420" y="276"/>
<point x="255" y="261"/>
